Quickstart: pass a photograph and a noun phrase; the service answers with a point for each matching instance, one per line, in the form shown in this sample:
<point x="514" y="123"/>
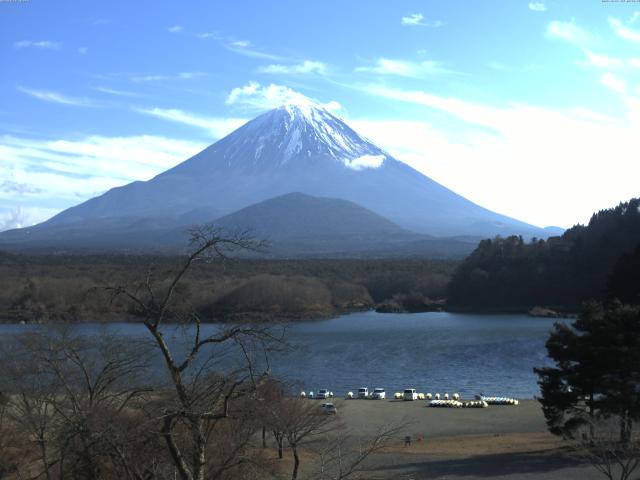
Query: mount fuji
<point x="299" y="147"/>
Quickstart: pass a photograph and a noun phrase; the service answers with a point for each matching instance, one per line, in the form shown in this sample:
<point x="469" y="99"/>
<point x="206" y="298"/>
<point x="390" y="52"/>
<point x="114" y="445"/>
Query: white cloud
<point x="175" y="29"/>
<point x="417" y="19"/>
<point x="634" y="17"/>
<point x="605" y="61"/>
<point x="161" y="78"/>
<point x="519" y="159"/>
<point x="62" y="173"/>
<point x="599" y="60"/>
<point x="241" y="47"/>
<point x="365" y="161"/>
<point x="624" y="32"/>
<point x="308" y="66"/>
<point x="22" y="216"/>
<point x="214" y="35"/>
<point x="413" y="19"/>
<point x="537" y="6"/>
<point x="55" y="97"/>
<point x="44" y="44"/>
<point x="241" y="43"/>
<point x="612" y="82"/>
<point x="249" y="52"/>
<point x="404" y="68"/>
<point x="333" y="106"/>
<point x="258" y="97"/>
<point x="570" y="32"/>
<point x="118" y="93"/>
<point x="218" y="127"/>
<point x="255" y="95"/>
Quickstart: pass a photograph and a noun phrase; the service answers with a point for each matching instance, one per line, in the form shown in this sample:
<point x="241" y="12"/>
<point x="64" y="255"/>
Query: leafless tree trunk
<point x="300" y="420"/>
<point x="614" y="457"/>
<point x="201" y="400"/>
<point x="343" y="458"/>
<point x="71" y="395"/>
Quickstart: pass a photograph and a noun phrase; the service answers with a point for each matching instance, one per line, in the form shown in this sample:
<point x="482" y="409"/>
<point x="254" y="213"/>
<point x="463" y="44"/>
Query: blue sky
<point x="531" y="109"/>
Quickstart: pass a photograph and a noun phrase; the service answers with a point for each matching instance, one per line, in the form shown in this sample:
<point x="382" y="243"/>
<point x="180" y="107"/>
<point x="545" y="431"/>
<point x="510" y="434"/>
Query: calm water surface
<point x="433" y="352"/>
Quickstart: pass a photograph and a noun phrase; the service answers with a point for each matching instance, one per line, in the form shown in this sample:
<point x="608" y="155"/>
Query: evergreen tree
<point x="597" y="371"/>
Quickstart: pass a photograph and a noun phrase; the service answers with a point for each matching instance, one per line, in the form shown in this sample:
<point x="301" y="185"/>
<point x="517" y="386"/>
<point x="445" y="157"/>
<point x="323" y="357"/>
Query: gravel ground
<point x="506" y="442"/>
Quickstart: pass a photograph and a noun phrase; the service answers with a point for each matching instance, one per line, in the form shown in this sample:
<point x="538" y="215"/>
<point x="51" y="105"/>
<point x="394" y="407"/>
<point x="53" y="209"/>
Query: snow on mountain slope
<point x="298" y="147"/>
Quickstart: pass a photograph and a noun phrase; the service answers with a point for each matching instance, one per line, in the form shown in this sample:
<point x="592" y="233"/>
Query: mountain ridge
<point x="295" y="148"/>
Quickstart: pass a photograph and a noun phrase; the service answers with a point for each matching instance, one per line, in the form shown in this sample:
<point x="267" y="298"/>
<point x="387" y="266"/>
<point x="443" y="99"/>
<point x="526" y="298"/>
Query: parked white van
<point x="363" y="392"/>
<point x="378" y="394"/>
<point x="410" y="394"/>
<point x="323" y="393"/>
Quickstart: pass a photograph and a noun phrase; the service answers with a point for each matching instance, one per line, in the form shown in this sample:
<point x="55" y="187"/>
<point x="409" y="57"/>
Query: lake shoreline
<point x="433" y="352"/>
<point x="272" y="318"/>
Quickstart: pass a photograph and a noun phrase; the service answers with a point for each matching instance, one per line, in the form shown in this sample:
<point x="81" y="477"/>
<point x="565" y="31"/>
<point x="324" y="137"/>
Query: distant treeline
<point x="598" y="261"/>
<point x="68" y="288"/>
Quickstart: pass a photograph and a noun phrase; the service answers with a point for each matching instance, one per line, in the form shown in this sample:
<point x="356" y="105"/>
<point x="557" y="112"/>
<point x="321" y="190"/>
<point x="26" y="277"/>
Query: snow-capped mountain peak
<point x="303" y="131"/>
<point x="298" y="147"/>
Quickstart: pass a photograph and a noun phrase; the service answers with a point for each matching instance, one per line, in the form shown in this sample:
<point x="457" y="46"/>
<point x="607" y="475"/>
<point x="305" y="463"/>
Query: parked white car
<point x="379" y="394"/>
<point x="329" y="408"/>
<point x="410" y="394"/>
<point x="323" y="394"/>
<point x="363" y="392"/>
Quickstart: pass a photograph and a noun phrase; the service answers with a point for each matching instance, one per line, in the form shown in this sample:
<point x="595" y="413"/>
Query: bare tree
<point x="75" y="397"/>
<point x="205" y="392"/>
<point x="300" y="421"/>
<point x="343" y="458"/>
<point x="6" y="463"/>
<point x="600" y="443"/>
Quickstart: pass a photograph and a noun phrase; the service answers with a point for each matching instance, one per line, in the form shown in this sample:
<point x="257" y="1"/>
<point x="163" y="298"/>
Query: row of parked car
<point x="411" y="394"/>
<point x="377" y="394"/>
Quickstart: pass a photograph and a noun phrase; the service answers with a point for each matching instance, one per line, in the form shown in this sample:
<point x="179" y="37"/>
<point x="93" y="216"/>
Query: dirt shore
<point x="506" y="442"/>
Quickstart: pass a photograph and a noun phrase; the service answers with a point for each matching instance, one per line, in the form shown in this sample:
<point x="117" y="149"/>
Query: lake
<point x="432" y="352"/>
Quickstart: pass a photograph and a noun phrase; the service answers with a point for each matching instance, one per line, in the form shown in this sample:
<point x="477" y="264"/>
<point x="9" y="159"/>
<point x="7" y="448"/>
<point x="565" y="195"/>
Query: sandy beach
<point x="507" y="442"/>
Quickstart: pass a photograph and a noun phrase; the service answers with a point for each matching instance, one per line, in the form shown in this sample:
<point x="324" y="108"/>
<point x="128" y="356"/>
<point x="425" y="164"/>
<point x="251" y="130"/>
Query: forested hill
<point x="585" y="262"/>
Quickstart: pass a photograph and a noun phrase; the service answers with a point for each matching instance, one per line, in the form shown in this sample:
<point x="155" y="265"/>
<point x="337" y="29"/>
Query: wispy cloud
<point x="242" y="47"/>
<point x="537" y="6"/>
<point x="44" y="44"/>
<point x="570" y="32"/>
<point x="212" y="35"/>
<point x="83" y="50"/>
<point x="623" y="31"/>
<point x="258" y="97"/>
<point x="118" y="93"/>
<point x="255" y="95"/>
<point x="240" y="43"/>
<point x="47" y="172"/>
<point x="218" y="127"/>
<point x="633" y="18"/>
<point x="162" y="77"/>
<point x="23" y="216"/>
<point x="417" y="20"/>
<point x="308" y="66"/>
<point x="599" y="60"/>
<point x="175" y="29"/>
<point x="55" y="97"/>
<point x="405" y="68"/>
<point x="253" y="53"/>
<point x="614" y="83"/>
<point x="505" y="142"/>
<point x="413" y="19"/>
